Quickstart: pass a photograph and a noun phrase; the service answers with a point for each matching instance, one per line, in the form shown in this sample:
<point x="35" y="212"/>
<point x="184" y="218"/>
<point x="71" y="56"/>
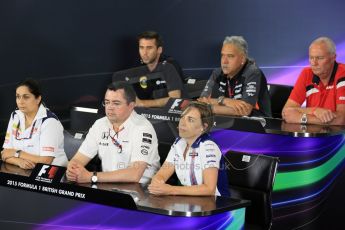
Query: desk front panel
<point x="309" y="171"/>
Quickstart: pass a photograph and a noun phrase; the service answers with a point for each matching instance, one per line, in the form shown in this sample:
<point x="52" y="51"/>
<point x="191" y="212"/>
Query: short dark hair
<point x="130" y="94"/>
<point x="151" y="35"/>
<point x="33" y="86"/>
<point x="205" y="111"/>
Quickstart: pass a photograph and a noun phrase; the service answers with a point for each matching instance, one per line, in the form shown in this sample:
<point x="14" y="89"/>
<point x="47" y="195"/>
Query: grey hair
<point x="326" y="40"/>
<point x="239" y="42"/>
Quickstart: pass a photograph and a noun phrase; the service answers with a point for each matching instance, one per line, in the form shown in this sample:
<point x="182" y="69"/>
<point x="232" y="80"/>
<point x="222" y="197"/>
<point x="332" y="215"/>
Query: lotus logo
<point x="143" y="82"/>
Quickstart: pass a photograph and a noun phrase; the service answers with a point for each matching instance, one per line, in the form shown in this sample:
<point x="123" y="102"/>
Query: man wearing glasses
<point x="322" y="86"/>
<point x="125" y="142"/>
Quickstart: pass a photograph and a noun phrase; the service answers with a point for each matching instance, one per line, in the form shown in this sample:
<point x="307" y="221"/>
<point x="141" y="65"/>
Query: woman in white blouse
<point x="194" y="156"/>
<point x="34" y="134"/>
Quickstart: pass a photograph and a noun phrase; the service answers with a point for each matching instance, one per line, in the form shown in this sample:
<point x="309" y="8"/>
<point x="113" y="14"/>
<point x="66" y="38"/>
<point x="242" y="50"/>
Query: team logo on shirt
<point x="48" y="149"/>
<point x="147" y="135"/>
<point x="143" y="82"/>
<point x="105" y="135"/>
<point x="221" y="89"/>
<point x="103" y="143"/>
<point x="144" y="151"/>
<point x="158" y="82"/>
<point x="145" y="147"/>
<point x="193" y="154"/>
<point x="147" y="140"/>
<point x="251" y="88"/>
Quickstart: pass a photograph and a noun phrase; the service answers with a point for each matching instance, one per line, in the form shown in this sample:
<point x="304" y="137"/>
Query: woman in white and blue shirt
<point x="194" y="156"/>
<point x="34" y="134"/>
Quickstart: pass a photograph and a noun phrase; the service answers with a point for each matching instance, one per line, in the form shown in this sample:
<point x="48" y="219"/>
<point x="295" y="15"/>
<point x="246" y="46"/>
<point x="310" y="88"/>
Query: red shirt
<point x="309" y="87"/>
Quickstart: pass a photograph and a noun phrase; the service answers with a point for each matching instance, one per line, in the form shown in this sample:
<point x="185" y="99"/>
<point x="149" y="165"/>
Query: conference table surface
<point x="131" y="195"/>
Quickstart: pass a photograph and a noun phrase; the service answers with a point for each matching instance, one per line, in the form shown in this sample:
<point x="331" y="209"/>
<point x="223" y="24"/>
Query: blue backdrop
<point x="73" y="46"/>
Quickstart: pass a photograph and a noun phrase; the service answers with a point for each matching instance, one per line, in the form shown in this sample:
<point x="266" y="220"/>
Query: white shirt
<point x="206" y="154"/>
<point x="135" y="141"/>
<point x="41" y="139"/>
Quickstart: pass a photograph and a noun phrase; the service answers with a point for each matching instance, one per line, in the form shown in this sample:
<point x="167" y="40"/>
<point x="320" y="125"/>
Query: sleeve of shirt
<point x="251" y="88"/>
<point x="145" y="145"/>
<point x="50" y="137"/>
<point x="340" y="91"/>
<point x="173" y="80"/>
<point x="8" y="143"/>
<point x="210" y="154"/>
<point x="89" y="147"/>
<point x="298" y="93"/>
<point x="207" y="91"/>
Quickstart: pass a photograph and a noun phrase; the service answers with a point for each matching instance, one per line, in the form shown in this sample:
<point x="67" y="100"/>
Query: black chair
<point x="279" y="94"/>
<point x="83" y="116"/>
<point x="195" y="87"/>
<point x="251" y="177"/>
<point x="72" y="143"/>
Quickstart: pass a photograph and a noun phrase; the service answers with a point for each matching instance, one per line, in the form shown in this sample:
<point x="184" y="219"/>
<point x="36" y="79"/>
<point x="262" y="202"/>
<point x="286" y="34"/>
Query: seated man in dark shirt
<point x="239" y="87"/>
<point x="150" y="50"/>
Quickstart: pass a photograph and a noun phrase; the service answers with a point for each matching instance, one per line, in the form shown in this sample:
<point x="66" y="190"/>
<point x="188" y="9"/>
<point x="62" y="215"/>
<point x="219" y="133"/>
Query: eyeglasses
<point x="24" y="138"/>
<point x="115" y="104"/>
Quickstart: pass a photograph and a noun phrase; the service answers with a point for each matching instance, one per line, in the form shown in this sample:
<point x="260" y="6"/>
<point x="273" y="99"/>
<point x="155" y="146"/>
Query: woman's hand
<point x="160" y="189"/>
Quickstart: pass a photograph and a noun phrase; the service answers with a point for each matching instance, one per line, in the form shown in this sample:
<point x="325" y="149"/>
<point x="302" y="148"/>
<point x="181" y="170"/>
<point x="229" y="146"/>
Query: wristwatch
<point x="17" y="153"/>
<point x="94" y="178"/>
<point x="220" y="100"/>
<point x="304" y="119"/>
